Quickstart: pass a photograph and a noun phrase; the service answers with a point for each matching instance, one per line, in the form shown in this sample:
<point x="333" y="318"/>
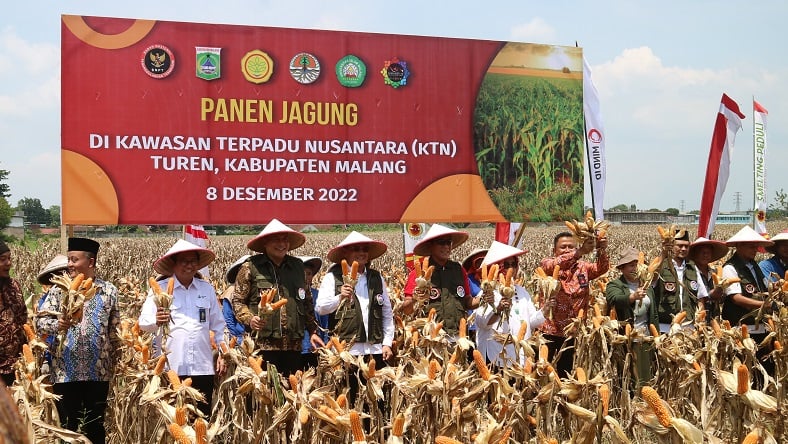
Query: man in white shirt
<point x="192" y="316"/>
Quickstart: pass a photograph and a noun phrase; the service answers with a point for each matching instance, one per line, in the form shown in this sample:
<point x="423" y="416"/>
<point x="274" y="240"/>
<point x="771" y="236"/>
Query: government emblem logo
<point x="301" y="294"/>
<point x="749" y="288"/>
<point x="257" y="66"/>
<point x="209" y="65"/>
<point x="694" y="285"/>
<point x="304" y="68"/>
<point x="351" y="71"/>
<point x="395" y="72"/>
<point x="434" y="293"/>
<point x="460" y="291"/>
<point x="670" y="286"/>
<point x="158" y="61"/>
<point x="379" y="299"/>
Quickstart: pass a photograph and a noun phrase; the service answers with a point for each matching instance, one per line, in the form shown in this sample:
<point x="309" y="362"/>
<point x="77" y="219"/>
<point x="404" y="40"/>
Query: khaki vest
<point x="348" y="317"/>
<point x="288" y="279"/>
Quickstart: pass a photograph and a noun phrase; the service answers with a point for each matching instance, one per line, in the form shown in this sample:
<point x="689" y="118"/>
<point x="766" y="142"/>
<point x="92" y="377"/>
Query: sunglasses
<point x="442" y="241"/>
<point x="510" y="264"/>
<point x="358" y="248"/>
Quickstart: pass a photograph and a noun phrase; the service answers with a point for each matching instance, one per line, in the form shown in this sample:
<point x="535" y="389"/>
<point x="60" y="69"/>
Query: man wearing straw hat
<point x="702" y="253"/>
<point x="746" y="296"/>
<point x="278" y="333"/>
<point x="449" y="293"/>
<point x="235" y="328"/>
<point x="56" y="266"/>
<point x="360" y="312"/>
<point x="193" y="314"/>
<point x="774" y="268"/>
<point x="505" y="316"/>
<point x="90" y="347"/>
<point x="13" y="315"/>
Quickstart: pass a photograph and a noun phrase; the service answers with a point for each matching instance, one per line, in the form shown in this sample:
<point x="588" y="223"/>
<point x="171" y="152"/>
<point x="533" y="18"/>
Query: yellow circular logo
<point x="257" y="66"/>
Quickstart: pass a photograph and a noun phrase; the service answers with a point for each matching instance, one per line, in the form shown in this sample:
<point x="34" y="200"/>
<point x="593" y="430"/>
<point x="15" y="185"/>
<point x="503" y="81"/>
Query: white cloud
<point x="536" y="30"/>
<point x="29" y="75"/>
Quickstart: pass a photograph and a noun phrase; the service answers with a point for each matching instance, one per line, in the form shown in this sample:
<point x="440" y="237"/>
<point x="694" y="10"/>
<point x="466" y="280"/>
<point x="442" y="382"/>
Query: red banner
<point x="173" y="123"/>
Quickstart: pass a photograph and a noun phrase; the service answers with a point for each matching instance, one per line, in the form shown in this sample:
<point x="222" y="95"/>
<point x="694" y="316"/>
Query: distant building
<point x="16" y="227"/>
<point x="662" y="217"/>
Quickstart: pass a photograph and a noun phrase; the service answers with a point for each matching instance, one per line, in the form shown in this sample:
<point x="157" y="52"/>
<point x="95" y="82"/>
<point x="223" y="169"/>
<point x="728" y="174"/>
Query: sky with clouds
<point x="660" y="68"/>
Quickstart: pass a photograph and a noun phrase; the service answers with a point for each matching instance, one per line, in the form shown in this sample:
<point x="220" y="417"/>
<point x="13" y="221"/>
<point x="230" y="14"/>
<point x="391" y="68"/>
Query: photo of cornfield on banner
<point x="197" y="235"/>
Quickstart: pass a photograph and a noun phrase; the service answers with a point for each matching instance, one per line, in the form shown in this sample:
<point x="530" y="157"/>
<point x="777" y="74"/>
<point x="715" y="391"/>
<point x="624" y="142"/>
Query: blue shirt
<point x="772" y="265"/>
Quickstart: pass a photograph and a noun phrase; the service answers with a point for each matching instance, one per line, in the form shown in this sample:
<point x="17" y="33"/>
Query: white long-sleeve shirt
<point x="195" y="312"/>
<point x="328" y="302"/>
<point x="522" y="309"/>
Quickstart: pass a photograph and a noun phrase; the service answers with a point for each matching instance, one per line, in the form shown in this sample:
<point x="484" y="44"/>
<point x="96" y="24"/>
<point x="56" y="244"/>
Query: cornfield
<point x="528" y="134"/>
<point x="708" y="385"/>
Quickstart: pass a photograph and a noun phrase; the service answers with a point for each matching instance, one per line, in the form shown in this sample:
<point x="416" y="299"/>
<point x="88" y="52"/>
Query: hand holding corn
<point x="163" y="301"/>
<point x="488" y="284"/>
<point x="546" y="287"/>
<point x="423" y="278"/>
<point x="76" y="292"/>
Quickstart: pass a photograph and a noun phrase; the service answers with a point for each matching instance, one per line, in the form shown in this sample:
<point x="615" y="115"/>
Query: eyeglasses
<point x="510" y="264"/>
<point x="188" y="261"/>
<point x="443" y="241"/>
<point x="358" y="248"/>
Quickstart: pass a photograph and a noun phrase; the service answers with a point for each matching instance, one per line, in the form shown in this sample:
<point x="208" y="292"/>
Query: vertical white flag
<point x="196" y="234"/>
<point x="760" y="116"/>
<point x="412" y="234"/>
<point x="595" y="142"/>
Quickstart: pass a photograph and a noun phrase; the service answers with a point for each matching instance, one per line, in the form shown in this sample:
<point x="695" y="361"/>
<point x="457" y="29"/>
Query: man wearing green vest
<point x="279" y="332"/>
<point x="676" y="289"/>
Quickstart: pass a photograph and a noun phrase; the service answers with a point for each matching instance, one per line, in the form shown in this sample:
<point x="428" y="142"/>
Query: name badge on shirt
<point x="582" y="280"/>
<point x="203" y="317"/>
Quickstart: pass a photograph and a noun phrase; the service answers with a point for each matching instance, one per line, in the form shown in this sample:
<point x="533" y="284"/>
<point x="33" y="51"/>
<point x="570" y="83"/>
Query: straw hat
<point x="376" y="248"/>
<point x="57" y="265"/>
<point x="718" y="248"/>
<point x="473" y="260"/>
<point x="422" y="248"/>
<point x="232" y="270"/>
<point x="781" y="236"/>
<point x="275" y="227"/>
<point x="748" y="236"/>
<point x="313" y="262"/>
<point x="628" y="254"/>
<point x="499" y="252"/>
<point x="164" y="264"/>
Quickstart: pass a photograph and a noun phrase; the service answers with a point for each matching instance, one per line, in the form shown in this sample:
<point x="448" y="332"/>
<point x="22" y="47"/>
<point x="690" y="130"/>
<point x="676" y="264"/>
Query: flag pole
<point x="754" y="210"/>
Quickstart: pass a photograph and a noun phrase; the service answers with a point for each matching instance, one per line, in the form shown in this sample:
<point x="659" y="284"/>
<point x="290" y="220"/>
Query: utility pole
<point x="737" y="200"/>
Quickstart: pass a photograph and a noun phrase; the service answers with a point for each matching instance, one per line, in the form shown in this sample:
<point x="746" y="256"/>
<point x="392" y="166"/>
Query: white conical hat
<point x="436" y="230"/>
<point x="275" y="227"/>
<point x="57" y="265"/>
<point x="499" y="252"/>
<point x="749" y="236"/>
<point x="164" y="264"/>
<point x="313" y="262"/>
<point x="472" y="260"/>
<point x="232" y="270"/>
<point x="718" y="248"/>
<point x="376" y="248"/>
<point x="781" y="236"/>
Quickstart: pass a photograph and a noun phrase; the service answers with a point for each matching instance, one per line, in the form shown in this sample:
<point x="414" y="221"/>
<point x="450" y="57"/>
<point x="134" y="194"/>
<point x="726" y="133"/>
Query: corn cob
<point x="328" y="411"/>
<point x="743" y="379"/>
<point x="256" y="364"/>
<point x="581" y="314"/>
<point x="345" y="268"/>
<point x="303" y="414"/>
<point x="86" y="284"/>
<point x="696" y="366"/>
<point x="398" y="428"/>
<point x="187" y="382"/>
<point x="715" y="326"/>
<point x="543" y="352"/>
<point x="528" y="368"/>
<point x="145" y="353"/>
<point x="436" y="330"/>
<point x="338" y="346"/>
<point x="170" y="285"/>
<point x="180" y="416"/>
<point x="371" y="368"/>
<point x="597" y="311"/>
<point x="604" y="397"/>
<point x="160" y="365"/>
<point x="278" y="304"/>
<point x="342" y="401"/>
<point x="440" y="439"/>
<point x="777" y="345"/>
<point x="628" y="329"/>
<point x="701" y="316"/>
<point x="355" y="427"/>
<point x="432" y="370"/>
<point x="522" y="330"/>
<point x="751" y="438"/>
<point x="77" y="282"/>
<point x="178" y="434"/>
<point x="29" y="332"/>
<point x="680" y="317"/>
<point x="653" y="329"/>
<point x="655" y="402"/>
<point x="175" y="381"/>
<point x="580" y="375"/>
<point x="28" y="354"/>
<point x="293" y="382"/>
<point x="463" y="328"/>
<point x="507" y="432"/>
<point x="745" y="332"/>
<point x="481" y="366"/>
<point x="455" y="356"/>
<point x="354" y="271"/>
<point x="200" y="431"/>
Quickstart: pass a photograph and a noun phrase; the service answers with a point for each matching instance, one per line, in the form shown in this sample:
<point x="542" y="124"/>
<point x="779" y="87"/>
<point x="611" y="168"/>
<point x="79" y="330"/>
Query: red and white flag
<point x="595" y="142"/>
<point x="760" y="116"/>
<point x="412" y="234"/>
<point x="196" y="234"/>
<point x="506" y="233"/>
<point x="728" y="123"/>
